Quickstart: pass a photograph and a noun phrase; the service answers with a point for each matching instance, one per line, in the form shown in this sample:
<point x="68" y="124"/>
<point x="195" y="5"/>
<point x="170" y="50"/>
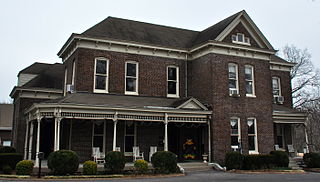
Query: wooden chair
<point x="98" y="157"/>
<point x="137" y="154"/>
<point x="276" y="147"/>
<point x="153" y="149"/>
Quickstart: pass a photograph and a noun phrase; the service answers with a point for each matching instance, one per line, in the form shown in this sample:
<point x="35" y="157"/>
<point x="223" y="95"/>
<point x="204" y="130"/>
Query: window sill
<point x="100" y="91"/>
<point x="241" y="43"/>
<point x="172" y="96"/>
<point x="234" y="95"/>
<point x="251" y="96"/>
<point x="253" y="152"/>
<point x="131" y="93"/>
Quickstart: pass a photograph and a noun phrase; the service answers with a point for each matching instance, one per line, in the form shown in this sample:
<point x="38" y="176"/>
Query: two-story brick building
<point x="124" y="83"/>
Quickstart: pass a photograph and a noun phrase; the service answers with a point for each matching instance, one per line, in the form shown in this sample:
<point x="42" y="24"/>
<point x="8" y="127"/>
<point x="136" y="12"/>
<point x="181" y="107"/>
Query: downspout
<point x="186" y="76"/>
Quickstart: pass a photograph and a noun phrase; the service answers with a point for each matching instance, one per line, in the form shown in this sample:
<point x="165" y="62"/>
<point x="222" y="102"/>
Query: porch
<point x="117" y="123"/>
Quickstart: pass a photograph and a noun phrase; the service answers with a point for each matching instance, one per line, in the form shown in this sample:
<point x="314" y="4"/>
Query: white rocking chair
<point x="98" y="157"/>
<point x="137" y="154"/>
<point x="153" y="149"/>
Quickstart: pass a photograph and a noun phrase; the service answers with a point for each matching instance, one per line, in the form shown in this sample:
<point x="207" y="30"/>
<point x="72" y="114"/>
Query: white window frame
<point x="177" y="82"/>
<point x="103" y="135"/>
<point x="279" y="84"/>
<point x="65" y="81"/>
<point x="255" y="135"/>
<point x="239" y="132"/>
<point x="235" y="39"/>
<point x="73" y="72"/>
<point x="136" y="77"/>
<point x="106" y="90"/>
<point x="252" y="80"/>
<point x="134" y="137"/>
<point x="237" y="79"/>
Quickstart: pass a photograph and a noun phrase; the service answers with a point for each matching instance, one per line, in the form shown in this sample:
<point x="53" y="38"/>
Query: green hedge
<point x="63" y="162"/>
<point x="9" y="159"/>
<point x="261" y="161"/>
<point x="164" y="162"/>
<point x="89" y="168"/>
<point x="312" y="160"/>
<point x="7" y="149"/>
<point x="115" y="161"/>
<point x="281" y="158"/>
<point x="24" y="167"/>
<point x="233" y="160"/>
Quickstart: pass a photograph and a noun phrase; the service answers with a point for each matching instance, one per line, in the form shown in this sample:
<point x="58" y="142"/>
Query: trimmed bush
<point x="141" y="166"/>
<point x="89" y="168"/>
<point x="24" y="167"/>
<point x="164" y="162"/>
<point x="9" y="159"/>
<point x="233" y="160"/>
<point x="115" y="161"/>
<point x="7" y="169"/>
<point x="312" y="160"/>
<point x="261" y="161"/>
<point x="281" y="158"/>
<point x="63" y="162"/>
<point x="7" y="149"/>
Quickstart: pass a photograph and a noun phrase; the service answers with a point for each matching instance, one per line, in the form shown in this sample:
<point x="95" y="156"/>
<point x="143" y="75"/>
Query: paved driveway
<point x="212" y="176"/>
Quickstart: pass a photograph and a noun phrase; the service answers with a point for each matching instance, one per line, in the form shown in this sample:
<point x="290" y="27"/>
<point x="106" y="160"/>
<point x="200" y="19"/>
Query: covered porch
<point x="81" y="122"/>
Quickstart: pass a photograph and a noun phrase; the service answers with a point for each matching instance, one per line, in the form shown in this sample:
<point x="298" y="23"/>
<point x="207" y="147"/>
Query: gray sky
<point x="35" y="30"/>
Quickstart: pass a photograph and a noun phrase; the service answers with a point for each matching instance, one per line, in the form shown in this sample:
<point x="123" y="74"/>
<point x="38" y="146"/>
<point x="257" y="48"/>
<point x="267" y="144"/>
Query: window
<point x="240" y="38"/>
<point x="101" y="75"/>
<point x="233" y="79"/>
<point x="98" y="137"/>
<point x="235" y="133"/>
<point x="73" y="71"/>
<point x="252" y="135"/>
<point x="130" y="130"/>
<point x="7" y="143"/>
<point x="249" y="77"/>
<point x="276" y="88"/>
<point x="173" y="81"/>
<point x="131" y="78"/>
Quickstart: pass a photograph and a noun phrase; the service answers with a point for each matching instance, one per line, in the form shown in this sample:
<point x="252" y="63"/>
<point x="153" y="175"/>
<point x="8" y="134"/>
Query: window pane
<point x="233" y="84"/>
<point x="131" y="84"/>
<point x="129" y="128"/>
<point x="129" y="142"/>
<point x="100" y="82"/>
<point x="98" y="142"/>
<point x="172" y="73"/>
<point x="251" y="126"/>
<point x="98" y="128"/>
<point x="232" y="71"/>
<point x="234" y="38"/>
<point x="234" y="140"/>
<point x="234" y="126"/>
<point x="249" y="89"/>
<point x="131" y="69"/>
<point x="101" y="67"/>
<point x="172" y="89"/>
<point x="248" y="73"/>
<point x="275" y="83"/>
<point x="240" y="37"/>
<point x="251" y="143"/>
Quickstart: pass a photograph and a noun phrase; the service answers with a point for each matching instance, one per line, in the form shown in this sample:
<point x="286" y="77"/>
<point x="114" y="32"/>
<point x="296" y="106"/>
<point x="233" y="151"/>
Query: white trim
<point x="136" y="92"/>
<point x="239" y="129"/>
<point x="255" y="135"/>
<point x="134" y="135"/>
<point x="65" y="81"/>
<point x="279" y="85"/>
<point x="236" y="79"/>
<point x="195" y="101"/>
<point x="236" y="41"/>
<point x="106" y="90"/>
<point x="73" y="72"/>
<point x="253" y="95"/>
<point x="176" y="81"/>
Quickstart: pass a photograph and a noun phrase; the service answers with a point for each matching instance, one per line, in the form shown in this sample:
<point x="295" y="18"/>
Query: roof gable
<point x="193" y="104"/>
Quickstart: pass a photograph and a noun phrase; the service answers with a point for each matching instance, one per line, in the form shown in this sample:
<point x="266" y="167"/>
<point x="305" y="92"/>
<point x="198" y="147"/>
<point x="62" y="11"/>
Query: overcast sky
<point x="34" y="30"/>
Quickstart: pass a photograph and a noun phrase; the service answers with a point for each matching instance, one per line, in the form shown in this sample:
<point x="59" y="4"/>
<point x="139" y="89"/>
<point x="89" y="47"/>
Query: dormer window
<point x="240" y="38"/>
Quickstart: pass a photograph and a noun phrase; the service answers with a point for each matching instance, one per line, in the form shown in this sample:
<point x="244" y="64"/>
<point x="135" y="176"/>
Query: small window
<point x="130" y="130"/>
<point x="101" y="75"/>
<point x="173" y="81"/>
<point x="252" y="135"/>
<point x="131" y="78"/>
<point x="240" y="38"/>
<point x="276" y="88"/>
<point x="98" y="135"/>
<point x="235" y="133"/>
<point x="233" y="79"/>
<point x="249" y="77"/>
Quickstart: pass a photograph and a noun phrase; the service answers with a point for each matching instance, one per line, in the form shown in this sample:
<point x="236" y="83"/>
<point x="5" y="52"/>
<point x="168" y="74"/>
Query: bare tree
<point x="305" y="77"/>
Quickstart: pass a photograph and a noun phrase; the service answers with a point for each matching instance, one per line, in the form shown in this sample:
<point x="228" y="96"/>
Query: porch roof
<point x="282" y="114"/>
<point x="104" y="106"/>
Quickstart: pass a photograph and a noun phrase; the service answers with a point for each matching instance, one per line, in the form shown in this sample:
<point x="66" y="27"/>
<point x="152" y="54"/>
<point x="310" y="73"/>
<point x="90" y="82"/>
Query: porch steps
<point x="195" y="166"/>
<point x="296" y="163"/>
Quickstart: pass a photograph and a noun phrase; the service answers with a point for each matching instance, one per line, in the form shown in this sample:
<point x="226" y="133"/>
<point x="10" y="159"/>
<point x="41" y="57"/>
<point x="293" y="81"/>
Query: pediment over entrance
<point x="193" y="104"/>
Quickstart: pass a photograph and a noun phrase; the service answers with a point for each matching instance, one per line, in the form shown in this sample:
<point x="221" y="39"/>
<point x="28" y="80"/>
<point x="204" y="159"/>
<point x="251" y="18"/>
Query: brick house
<point x="125" y="83"/>
<point x="6" y="111"/>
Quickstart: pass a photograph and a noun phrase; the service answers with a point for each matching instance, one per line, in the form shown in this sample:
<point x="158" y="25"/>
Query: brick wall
<point x="286" y="90"/>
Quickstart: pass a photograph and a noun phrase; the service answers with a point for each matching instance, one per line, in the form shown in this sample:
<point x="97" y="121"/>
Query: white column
<point x="30" y="140"/>
<point x="58" y="133"/>
<point x="209" y="140"/>
<point x="307" y="139"/>
<point x="38" y="140"/>
<point x="114" y="135"/>
<point x="26" y="142"/>
<point x="166" y="132"/>
<point x="55" y="135"/>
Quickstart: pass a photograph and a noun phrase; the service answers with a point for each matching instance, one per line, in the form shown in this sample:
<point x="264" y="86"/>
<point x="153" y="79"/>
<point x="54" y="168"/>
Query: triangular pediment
<point x="193" y="104"/>
<point x="244" y="24"/>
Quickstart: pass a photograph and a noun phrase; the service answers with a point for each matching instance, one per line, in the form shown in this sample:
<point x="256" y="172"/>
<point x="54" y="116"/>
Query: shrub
<point x="7" y="149"/>
<point x="233" y="160"/>
<point x="7" y="169"/>
<point x="24" y="167"/>
<point x="261" y="161"/>
<point x="115" y="161"/>
<point x="141" y="166"/>
<point x="89" y="168"/>
<point x="312" y="160"/>
<point x="63" y="162"/>
<point x="164" y="162"/>
<point x="9" y="159"/>
<point x="281" y="158"/>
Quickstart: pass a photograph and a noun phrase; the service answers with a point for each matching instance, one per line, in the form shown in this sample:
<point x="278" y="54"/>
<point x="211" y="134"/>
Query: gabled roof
<point x="35" y="68"/>
<point x="278" y="60"/>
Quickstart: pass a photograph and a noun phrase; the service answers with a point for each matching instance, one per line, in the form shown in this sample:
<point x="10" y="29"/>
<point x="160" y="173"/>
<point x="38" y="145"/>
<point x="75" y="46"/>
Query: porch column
<point x="166" y="132"/>
<point x="26" y="142"/>
<point x="38" y="139"/>
<point x="30" y="140"/>
<point x="57" y="122"/>
<point x="307" y="139"/>
<point x="115" y="121"/>
<point x="55" y="135"/>
<point x="209" y="139"/>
